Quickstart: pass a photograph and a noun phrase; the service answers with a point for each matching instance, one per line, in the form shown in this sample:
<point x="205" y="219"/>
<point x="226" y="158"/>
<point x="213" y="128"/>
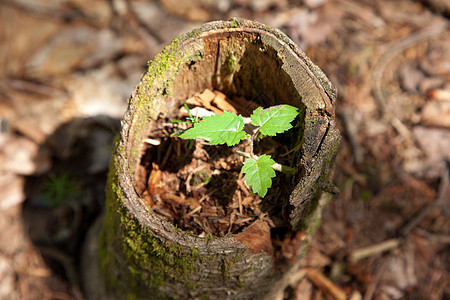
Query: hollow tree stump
<point x="140" y="254"/>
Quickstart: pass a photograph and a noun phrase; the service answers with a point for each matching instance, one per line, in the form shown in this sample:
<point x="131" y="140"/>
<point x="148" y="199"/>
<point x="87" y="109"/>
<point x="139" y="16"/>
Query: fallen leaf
<point x="410" y="77"/>
<point x="257" y="237"/>
<point x="12" y="187"/>
<point x="188" y="9"/>
<point x="435" y="143"/>
<point x="221" y="102"/>
<point x="436" y="113"/>
<point x="20" y="155"/>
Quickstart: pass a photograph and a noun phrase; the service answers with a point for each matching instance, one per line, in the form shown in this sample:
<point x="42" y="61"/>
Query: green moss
<point x="234" y="21"/>
<point x="157" y="260"/>
<point x="165" y="59"/>
<point x="238" y="256"/>
<point x="194" y="251"/>
<point x="120" y="239"/>
<point x="231" y="62"/>
<point x="198" y="57"/>
<point x="109" y="265"/>
<point x="162" y="69"/>
<point x="241" y="277"/>
<point x="144" y="261"/>
<point x="224" y="268"/>
<point x="228" y="262"/>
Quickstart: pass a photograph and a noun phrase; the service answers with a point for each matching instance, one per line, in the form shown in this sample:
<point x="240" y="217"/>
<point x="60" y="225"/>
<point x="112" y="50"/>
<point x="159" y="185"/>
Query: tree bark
<point x="139" y="255"/>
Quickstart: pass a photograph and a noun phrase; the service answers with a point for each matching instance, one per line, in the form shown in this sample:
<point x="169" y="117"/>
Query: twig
<point x="391" y="50"/>
<point x="363" y="12"/>
<point x="325" y="285"/>
<point x="240" y="202"/>
<point x="371" y="288"/>
<point x="232" y="217"/>
<point x="34" y="87"/>
<point x="297" y="277"/>
<point x="243" y="187"/>
<point x="372" y="250"/>
<point x="352" y="132"/>
<point x="166" y="156"/>
<point x="151" y="39"/>
<point x="424" y="212"/>
<point x="245" y="154"/>
<point x="193" y="211"/>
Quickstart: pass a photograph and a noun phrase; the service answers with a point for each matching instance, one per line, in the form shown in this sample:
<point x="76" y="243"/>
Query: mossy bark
<point x="141" y="256"/>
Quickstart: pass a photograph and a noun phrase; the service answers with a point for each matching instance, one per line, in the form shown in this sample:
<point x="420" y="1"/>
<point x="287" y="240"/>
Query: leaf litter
<point x="201" y="189"/>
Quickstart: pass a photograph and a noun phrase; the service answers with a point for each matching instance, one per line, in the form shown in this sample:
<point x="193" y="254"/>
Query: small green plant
<point x="61" y="189"/>
<point x="229" y="129"/>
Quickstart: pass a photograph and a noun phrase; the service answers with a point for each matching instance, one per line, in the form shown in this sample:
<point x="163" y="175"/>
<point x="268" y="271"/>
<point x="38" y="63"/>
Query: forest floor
<point x="68" y="67"/>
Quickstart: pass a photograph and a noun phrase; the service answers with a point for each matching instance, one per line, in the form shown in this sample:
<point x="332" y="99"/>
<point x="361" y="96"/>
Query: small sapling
<point x="229" y="129"/>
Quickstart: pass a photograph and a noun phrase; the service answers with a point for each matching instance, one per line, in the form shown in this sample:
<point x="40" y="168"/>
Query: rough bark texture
<point x="142" y="256"/>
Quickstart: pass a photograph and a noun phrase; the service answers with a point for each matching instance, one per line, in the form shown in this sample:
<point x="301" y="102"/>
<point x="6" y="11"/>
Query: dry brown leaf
<point x="221" y="102"/>
<point x="436" y="113"/>
<point x="257" y="237"/>
<point x="20" y="155"/>
<point x="205" y="99"/>
<point x="189" y="9"/>
<point x="435" y="143"/>
<point x="193" y="101"/>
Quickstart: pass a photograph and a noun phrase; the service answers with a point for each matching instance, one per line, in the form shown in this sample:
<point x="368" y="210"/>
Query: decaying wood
<point x="142" y="255"/>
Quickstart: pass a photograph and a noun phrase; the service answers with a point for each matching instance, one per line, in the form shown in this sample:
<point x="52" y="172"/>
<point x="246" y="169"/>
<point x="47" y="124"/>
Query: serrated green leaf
<point x="275" y="119"/>
<point x="259" y="173"/>
<point x="218" y="129"/>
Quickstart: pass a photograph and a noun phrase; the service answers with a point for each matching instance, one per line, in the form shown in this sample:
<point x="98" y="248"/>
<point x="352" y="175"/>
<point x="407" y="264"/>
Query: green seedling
<point x="229" y="129"/>
<point x="190" y="119"/>
<point x="61" y="189"/>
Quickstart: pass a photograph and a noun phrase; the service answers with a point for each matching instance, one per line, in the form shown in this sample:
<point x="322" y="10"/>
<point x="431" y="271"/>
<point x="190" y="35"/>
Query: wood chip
<point x="154" y="179"/>
<point x="153" y="142"/>
<point x="247" y="201"/>
<point x="240" y="202"/>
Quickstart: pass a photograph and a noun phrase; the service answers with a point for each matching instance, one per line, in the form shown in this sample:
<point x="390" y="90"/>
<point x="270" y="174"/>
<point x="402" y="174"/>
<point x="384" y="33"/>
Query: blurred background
<point x="67" y="68"/>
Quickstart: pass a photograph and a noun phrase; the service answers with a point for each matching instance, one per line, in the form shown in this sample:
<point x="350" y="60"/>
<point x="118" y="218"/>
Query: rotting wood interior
<point x="239" y="65"/>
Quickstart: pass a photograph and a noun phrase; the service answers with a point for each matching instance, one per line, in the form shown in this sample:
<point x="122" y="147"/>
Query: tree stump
<point x="140" y="254"/>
